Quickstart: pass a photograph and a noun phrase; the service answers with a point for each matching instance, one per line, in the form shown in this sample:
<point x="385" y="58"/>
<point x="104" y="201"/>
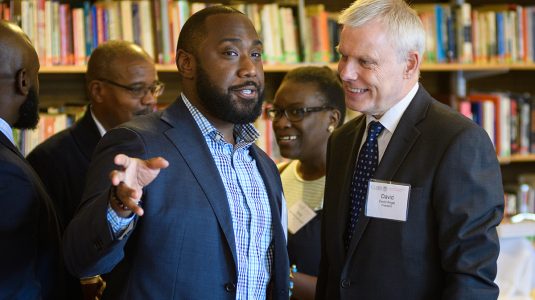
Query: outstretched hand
<point x="130" y="180"/>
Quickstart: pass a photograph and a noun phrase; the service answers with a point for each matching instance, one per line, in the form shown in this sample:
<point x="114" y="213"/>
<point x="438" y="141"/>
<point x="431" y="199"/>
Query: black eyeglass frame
<point x="276" y="113"/>
<point x="156" y="88"/>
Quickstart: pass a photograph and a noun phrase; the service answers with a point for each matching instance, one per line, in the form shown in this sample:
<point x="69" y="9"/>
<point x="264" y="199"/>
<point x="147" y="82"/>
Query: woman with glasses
<point x="308" y="106"/>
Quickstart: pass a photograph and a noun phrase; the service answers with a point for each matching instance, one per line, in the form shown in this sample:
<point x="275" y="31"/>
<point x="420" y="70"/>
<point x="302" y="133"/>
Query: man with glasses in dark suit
<point x="122" y="83"/>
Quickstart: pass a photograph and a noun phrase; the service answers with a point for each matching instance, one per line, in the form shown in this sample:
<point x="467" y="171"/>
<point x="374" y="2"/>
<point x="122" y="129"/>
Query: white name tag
<point x="299" y="215"/>
<point x="387" y="200"/>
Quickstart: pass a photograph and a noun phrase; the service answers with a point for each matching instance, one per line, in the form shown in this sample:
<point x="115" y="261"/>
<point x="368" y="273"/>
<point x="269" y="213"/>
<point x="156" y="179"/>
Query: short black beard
<point x="28" y="112"/>
<point x="221" y="105"/>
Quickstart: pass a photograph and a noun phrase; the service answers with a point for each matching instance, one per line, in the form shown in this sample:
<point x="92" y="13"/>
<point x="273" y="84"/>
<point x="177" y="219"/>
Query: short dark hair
<point x="194" y="30"/>
<point x="328" y="83"/>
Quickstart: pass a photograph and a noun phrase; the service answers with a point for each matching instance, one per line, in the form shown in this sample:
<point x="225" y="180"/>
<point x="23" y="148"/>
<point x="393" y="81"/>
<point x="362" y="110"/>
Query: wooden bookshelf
<point x="445" y="81"/>
<point x="273" y="68"/>
<point x="268" y="68"/>
<point x="518" y="158"/>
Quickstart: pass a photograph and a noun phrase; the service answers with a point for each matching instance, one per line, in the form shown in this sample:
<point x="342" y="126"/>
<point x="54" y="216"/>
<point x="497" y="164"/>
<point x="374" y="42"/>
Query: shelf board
<point x="477" y="67"/>
<point x="517" y="158"/>
<point x="269" y="68"/>
<point x="273" y="68"/>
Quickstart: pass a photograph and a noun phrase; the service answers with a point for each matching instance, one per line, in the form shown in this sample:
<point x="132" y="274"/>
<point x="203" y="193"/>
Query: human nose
<point x="248" y="67"/>
<point x="347" y="70"/>
<point x="149" y="99"/>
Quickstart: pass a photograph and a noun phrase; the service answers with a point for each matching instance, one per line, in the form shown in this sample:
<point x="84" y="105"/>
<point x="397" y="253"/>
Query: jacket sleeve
<point x="468" y="204"/>
<point x="89" y="245"/>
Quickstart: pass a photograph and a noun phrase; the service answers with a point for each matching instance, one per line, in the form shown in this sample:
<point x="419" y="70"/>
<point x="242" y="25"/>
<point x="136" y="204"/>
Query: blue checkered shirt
<point x="248" y="201"/>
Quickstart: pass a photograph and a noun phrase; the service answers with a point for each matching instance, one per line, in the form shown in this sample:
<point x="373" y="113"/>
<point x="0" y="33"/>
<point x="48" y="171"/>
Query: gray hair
<point x="405" y="29"/>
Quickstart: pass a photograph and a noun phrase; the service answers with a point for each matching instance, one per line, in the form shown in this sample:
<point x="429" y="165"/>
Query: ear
<point x="412" y="65"/>
<point x="96" y="91"/>
<point x="185" y="63"/>
<point x="334" y="117"/>
<point x="23" y="81"/>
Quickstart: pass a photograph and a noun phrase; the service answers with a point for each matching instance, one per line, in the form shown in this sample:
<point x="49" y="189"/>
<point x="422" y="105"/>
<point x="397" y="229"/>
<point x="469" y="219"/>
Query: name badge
<point x="299" y="215"/>
<point x="387" y="200"/>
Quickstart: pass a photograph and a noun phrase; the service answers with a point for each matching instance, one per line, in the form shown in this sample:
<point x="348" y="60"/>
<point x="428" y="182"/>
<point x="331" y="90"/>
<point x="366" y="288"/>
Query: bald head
<point x="105" y="61"/>
<point x="16" y="50"/>
<point x="119" y="76"/>
<point x="18" y="77"/>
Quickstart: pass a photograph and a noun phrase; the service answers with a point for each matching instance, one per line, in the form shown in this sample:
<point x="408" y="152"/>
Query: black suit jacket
<point x="447" y="248"/>
<point x="30" y="261"/>
<point x="62" y="162"/>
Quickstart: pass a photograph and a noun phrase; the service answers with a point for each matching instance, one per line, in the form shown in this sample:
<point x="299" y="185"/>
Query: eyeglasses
<point x="294" y="114"/>
<point x="140" y="90"/>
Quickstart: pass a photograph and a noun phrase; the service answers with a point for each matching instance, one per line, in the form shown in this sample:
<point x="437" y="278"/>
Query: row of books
<point x="65" y="33"/>
<point x="499" y="33"/>
<point x="51" y="122"/>
<point x="520" y="197"/>
<point x="508" y="118"/>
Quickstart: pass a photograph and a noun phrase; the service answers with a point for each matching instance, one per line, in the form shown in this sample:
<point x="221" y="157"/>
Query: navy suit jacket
<point x="62" y="162"/>
<point x="183" y="247"/>
<point x="30" y="259"/>
<point x="447" y="248"/>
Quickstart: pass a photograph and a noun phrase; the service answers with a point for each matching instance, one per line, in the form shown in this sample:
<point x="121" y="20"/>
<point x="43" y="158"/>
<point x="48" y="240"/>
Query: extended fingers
<point x="116" y="177"/>
<point x="157" y="163"/>
<point x="122" y="160"/>
<point x="129" y="198"/>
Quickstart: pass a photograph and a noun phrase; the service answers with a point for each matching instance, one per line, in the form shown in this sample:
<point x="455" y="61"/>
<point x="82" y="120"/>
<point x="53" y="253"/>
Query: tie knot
<point x="375" y="129"/>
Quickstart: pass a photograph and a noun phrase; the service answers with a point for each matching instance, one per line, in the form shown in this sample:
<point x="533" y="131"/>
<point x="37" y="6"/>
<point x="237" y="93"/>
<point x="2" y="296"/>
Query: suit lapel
<point x="400" y="144"/>
<point x="6" y="142"/>
<point x="270" y="186"/>
<point x="188" y="140"/>
<point x="348" y="149"/>
<point x="275" y="198"/>
<point x="36" y="181"/>
<point x="86" y="134"/>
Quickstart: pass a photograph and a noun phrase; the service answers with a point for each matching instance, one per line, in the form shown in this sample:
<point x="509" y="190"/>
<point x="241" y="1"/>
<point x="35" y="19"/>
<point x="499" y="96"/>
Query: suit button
<point x="346" y="283"/>
<point x="230" y="287"/>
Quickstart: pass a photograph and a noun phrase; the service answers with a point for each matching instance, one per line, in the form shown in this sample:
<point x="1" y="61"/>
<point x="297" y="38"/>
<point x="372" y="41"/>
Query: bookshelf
<point x="64" y="84"/>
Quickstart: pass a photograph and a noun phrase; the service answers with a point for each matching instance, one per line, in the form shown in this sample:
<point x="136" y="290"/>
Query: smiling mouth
<point x="248" y="89"/>
<point x="357" y="90"/>
<point x="246" y="92"/>
<point x="287" y="138"/>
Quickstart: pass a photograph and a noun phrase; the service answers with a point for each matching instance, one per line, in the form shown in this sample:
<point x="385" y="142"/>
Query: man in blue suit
<point x="194" y="207"/>
<point x="30" y="262"/>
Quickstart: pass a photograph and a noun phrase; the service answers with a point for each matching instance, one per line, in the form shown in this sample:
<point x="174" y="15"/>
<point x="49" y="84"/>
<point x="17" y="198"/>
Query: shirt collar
<point x="97" y="122"/>
<point x="6" y="130"/>
<point x="391" y="118"/>
<point x="244" y="133"/>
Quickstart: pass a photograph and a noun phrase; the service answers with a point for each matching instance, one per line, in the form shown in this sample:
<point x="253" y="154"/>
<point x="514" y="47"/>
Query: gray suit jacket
<point x="183" y="247"/>
<point x="447" y="248"/>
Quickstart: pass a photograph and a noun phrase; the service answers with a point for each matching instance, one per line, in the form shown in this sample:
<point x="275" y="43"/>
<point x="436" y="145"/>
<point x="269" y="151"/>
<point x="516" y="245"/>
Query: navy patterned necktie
<point x="366" y="164"/>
